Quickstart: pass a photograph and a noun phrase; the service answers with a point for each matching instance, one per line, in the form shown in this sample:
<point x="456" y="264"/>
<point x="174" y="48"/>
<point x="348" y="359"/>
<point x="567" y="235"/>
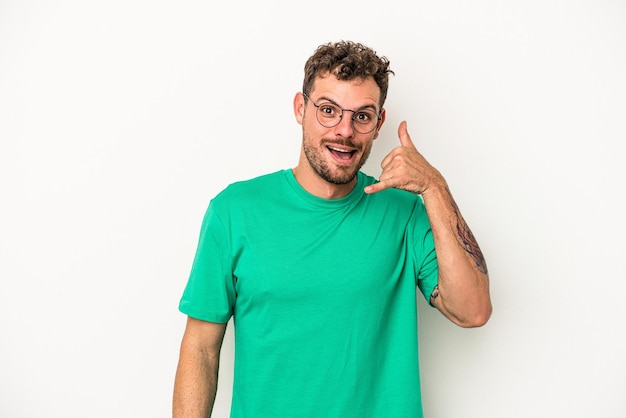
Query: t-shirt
<point x="322" y="294"/>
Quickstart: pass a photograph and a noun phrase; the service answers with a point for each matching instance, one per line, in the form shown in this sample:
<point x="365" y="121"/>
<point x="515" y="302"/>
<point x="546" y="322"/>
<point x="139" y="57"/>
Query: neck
<point x="317" y="186"/>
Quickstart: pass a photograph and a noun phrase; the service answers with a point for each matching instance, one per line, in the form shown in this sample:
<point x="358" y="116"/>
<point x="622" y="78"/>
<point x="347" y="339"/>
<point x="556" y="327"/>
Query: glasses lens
<point x="364" y="121"/>
<point x="328" y="114"/>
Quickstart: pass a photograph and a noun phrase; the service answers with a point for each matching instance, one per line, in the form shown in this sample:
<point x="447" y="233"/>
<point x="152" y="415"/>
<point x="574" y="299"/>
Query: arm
<point x="462" y="294"/>
<point x="196" y="376"/>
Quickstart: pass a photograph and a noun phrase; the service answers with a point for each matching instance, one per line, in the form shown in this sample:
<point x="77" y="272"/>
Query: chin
<point x="340" y="178"/>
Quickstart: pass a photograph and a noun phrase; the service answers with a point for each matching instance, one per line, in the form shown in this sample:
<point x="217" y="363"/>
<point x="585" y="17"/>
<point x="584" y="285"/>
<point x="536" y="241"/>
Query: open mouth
<point x="340" y="154"/>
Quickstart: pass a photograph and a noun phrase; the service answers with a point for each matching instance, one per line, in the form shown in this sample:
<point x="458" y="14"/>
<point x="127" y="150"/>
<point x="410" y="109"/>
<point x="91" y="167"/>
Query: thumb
<point x="403" y="134"/>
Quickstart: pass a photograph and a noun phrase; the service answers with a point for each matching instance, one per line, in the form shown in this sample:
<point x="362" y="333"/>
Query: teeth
<point x="339" y="150"/>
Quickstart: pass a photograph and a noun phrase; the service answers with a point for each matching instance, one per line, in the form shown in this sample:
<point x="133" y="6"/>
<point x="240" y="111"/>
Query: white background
<point x="119" y="120"/>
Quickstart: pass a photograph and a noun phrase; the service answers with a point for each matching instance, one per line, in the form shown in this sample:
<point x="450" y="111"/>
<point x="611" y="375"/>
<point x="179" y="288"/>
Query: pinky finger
<point x="377" y="187"/>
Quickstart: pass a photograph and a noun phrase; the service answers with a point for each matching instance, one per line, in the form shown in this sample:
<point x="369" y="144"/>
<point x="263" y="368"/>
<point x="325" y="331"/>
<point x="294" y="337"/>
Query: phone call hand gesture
<point x="406" y="169"/>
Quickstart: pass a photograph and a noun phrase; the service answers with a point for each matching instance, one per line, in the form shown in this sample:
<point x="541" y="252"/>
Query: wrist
<point x="436" y="187"/>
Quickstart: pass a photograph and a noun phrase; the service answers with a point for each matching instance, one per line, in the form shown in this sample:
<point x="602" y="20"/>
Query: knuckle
<point x="398" y="158"/>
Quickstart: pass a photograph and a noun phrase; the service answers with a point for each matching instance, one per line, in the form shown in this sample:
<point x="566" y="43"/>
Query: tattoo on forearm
<point x="435" y="294"/>
<point x="468" y="242"/>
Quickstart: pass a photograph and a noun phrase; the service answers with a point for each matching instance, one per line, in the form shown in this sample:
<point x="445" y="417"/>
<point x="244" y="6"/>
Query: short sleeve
<point x="210" y="292"/>
<point x="427" y="269"/>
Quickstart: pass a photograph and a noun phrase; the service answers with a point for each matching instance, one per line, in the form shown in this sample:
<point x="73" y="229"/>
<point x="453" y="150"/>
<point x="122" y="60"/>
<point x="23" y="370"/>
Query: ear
<point x="383" y="115"/>
<point x="298" y="107"/>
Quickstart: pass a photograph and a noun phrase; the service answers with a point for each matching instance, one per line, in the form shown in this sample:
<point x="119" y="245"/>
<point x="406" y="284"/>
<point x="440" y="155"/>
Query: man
<point x="319" y="265"/>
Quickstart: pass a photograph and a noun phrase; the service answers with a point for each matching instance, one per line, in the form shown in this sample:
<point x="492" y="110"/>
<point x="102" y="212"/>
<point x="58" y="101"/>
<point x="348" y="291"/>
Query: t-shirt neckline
<point x="355" y="194"/>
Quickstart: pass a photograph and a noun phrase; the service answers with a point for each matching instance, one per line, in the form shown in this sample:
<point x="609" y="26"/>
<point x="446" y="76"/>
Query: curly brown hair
<point x="347" y="60"/>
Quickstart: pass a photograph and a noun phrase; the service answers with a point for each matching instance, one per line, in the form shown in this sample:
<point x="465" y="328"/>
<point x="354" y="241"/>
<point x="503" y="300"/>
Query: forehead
<point x="349" y="93"/>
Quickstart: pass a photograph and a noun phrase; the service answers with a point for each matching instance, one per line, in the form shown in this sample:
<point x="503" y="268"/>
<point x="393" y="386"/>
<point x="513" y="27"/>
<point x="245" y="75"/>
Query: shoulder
<point x="252" y="187"/>
<point x="250" y="193"/>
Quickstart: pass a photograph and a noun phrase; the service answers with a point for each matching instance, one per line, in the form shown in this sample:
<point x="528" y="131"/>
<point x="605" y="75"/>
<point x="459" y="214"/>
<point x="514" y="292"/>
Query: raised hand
<point x="405" y="168"/>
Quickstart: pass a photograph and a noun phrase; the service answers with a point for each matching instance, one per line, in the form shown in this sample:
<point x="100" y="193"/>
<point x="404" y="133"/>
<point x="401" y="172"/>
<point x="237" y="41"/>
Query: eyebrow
<point x="369" y="106"/>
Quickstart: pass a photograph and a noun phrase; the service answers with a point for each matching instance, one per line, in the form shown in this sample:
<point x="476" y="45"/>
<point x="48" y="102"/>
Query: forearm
<point x="196" y="382"/>
<point x="462" y="294"/>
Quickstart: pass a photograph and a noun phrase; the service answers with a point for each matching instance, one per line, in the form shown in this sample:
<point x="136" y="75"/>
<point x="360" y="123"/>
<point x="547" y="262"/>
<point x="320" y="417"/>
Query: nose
<point x="345" y="127"/>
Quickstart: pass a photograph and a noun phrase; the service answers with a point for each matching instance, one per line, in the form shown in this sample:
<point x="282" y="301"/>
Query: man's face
<point x="336" y="154"/>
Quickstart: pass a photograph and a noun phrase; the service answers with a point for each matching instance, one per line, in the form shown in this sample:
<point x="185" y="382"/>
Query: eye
<point x="329" y="111"/>
<point x="364" y="116"/>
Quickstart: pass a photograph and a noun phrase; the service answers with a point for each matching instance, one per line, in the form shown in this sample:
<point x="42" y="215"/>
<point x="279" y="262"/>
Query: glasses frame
<point x="379" y="116"/>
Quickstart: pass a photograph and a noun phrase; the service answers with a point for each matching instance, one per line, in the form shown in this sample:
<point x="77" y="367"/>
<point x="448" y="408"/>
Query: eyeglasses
<point x="329" y="114"/>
